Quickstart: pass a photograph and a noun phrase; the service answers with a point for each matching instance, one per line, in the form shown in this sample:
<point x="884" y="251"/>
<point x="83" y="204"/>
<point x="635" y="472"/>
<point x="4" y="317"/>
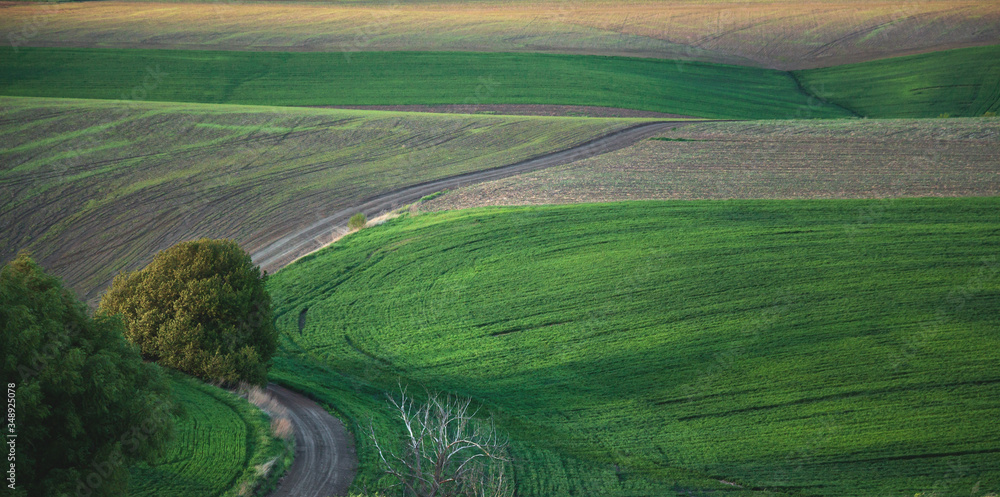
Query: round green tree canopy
<point x="199" y="307"/>
<point x="83" y="403"/>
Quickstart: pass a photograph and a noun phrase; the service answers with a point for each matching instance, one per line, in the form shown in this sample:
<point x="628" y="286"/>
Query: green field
<point x="93" y="187"/>
<point x="956" y="83"/>
<point x="834" y="348"/>
<point x="962" y="82"/>
<point x="393" y="78"/>
<point x="220" y="443"/>
<point x="803" y="347"/>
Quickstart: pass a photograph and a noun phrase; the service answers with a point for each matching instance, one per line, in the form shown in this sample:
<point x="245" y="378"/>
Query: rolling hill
<point x="794" y="159"/>
<point x="807" y="348"/>
<point x="951" y="83"/>
<point x="779" y="34"/>
<point x="956" y="83"/>
<point x="396" y="78"/>
<point x="95" y="187"/>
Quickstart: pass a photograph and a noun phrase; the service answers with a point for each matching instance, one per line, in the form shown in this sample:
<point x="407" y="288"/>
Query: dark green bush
<point x="85" y="404"/>
<point x="199" y="307"/>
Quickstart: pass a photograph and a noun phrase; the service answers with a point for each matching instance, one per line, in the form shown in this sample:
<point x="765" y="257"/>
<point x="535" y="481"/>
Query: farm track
<point x="283" y="251"/>
<point x="519" y="291"/>
<point x="325" y="462"/>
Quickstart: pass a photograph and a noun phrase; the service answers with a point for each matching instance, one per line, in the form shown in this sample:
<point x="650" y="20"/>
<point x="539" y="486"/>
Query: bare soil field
<point x="303" y="241"/>
<point x="772" y="33"/>
<point x="95" y="187"/>
<point x="761" y="160"/>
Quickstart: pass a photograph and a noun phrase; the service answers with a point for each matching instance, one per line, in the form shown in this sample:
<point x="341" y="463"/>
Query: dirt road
<point x="325" y="462"/>
<point x="313" y="237"/>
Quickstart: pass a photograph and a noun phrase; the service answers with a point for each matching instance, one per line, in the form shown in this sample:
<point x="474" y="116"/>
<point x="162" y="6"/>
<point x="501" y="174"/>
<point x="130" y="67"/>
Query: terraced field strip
<point x="220" y="442"/>
<point x="777" y="34"/>
<point x="401" y="78"/>
<point x="809" y="348"/>
<point x="94" y="187"/>
<point x="768" y="160"/>
<point x="952" y="83"/>
<point x="302" y="242"/>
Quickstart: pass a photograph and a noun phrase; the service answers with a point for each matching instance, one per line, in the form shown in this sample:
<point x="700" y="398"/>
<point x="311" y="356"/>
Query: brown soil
<point x="307" y="240"/>
<point x="250" y="174"/>
<point x="794" y="160"/>
<point x="325" y="462"/>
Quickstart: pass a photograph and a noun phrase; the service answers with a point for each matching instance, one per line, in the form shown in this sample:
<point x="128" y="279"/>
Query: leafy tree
<point x="200" y="307"/>
<point x="85" y="404"/>
<point x="357" y="221"/>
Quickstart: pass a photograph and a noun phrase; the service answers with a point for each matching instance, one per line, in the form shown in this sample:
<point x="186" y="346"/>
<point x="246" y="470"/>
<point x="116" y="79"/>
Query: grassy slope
<point x="220" y="441"/>
<point x="808" y="348"/>
<point x="769" y="33"/>
<point x="386" y="78"/>
<point x="93" y="187"/>
<point x="857" y="158"/>
<point x="963" y="82"/>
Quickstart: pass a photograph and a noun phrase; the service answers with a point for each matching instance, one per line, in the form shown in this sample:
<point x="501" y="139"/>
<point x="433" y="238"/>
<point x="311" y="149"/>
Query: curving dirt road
<point x="325" y="462"/>
<point x="313" y="237"/>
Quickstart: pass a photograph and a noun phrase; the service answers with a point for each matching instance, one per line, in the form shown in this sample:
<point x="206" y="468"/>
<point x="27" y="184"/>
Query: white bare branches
<point x="446" y="451"/>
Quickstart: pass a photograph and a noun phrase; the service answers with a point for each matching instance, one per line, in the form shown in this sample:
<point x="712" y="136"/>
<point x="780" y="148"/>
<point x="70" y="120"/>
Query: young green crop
<point x="955" y="83"/>
<point x="838" y="348"/>
<point x="221" y="440"/>
<point x="389" y="78"/>
<point x="958" y="83"/>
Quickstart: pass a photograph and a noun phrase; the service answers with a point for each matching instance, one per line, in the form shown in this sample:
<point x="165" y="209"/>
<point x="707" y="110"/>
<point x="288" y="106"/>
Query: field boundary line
<point x="287" y="249"/>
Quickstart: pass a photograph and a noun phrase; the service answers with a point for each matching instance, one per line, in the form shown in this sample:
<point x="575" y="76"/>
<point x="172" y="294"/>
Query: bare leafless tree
<point x="446" y="451"/>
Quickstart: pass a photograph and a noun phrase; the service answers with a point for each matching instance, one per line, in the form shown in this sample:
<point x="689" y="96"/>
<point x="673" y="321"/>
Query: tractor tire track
<point x="325" y="462"/>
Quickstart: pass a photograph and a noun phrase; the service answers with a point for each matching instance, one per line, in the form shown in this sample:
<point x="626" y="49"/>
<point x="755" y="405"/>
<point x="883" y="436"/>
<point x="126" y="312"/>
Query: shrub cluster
<point x="84" y="404"/>
<point x="199" y="307"/>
